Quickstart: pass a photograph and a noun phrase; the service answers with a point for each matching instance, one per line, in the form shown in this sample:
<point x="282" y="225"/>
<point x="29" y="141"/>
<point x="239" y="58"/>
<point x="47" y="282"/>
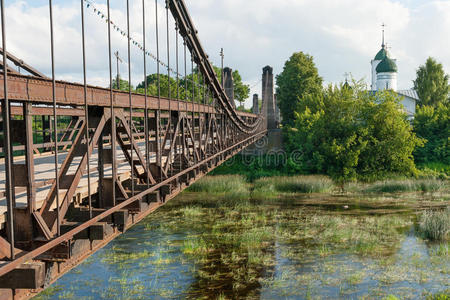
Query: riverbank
<point x="255" y="167"/>
<point x="235" y="186"/>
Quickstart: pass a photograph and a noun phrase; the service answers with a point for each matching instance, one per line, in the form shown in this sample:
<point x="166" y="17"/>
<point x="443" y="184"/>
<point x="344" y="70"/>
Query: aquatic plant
<point x="232" y="186"/>
<point x="330" y="234"/>
<point x="255" y="237"/>
<point x="195" y="245"/>
<point x="292" y="184"/>
<point x="431" y="185"/>
<point x="221" y="296"/>
<point x="192" y="211"/>
<point x="445" y="295"/>
<point x="392" y="186"/>
<point x="355" y="278"/>
<point x="435" y="225"/>
<point x="440" y="250"/>
<point x="407" y="185"/>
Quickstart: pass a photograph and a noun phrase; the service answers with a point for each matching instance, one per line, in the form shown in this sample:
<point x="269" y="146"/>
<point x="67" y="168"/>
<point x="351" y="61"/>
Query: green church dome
<point x="387" y="65"/>
<point x="381" y="54"/>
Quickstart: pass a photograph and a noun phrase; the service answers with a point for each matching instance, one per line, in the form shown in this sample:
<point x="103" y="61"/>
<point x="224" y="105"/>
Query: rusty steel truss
<point x="119" y="156"/>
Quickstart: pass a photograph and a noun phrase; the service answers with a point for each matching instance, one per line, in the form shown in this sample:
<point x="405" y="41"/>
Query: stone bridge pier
<point x="272" y="143"/>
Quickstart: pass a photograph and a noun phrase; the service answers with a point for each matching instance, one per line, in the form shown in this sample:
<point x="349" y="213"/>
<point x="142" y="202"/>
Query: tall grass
<point x="407" y="185"/>
<point x="435" y="225"/>
<point x="296" y="184"/>
<point x="231" y="186"/>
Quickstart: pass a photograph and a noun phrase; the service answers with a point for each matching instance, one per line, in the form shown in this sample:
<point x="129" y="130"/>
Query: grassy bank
<point x="253" y="168"/>
<point x="238" y="187"/>
<point x="435" y="169"/>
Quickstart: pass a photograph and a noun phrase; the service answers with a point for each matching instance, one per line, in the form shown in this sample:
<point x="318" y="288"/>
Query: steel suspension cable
<point x="129" y="96"/>
<point x="86" y="108"/>
<point x="185" y="93"/>
<point x="55" y="119"/>
<point x="158" y="130"/>
<point x="178" y="89"/>
<point x="7" y="141"/>
<point x="193" y="106"/>
<point x="169" y="158"/>
<point x="113" y="114"/>
<point x="146" y="134"/>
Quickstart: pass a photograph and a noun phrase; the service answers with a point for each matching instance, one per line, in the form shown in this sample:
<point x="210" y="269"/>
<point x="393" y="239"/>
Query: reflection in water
<point x="293" y="248"/>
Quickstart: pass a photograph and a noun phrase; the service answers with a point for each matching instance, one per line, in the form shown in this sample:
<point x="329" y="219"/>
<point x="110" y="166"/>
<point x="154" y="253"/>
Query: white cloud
<point x="343" y="35"/>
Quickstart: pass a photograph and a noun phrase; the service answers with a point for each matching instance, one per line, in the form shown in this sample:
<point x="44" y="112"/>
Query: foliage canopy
<point x="349" y="133"/>
<point x="432" y="84"/>
<point x="433" y="125"/>
<point x="299" y="79"/>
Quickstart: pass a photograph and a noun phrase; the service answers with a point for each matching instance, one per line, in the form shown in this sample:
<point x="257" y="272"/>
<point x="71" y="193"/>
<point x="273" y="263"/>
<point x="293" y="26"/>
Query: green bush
<point x="348" y="133"/>
<point x="433" y="125"/>
<point x="434" y="170"/>
<point x="254" y="167"/>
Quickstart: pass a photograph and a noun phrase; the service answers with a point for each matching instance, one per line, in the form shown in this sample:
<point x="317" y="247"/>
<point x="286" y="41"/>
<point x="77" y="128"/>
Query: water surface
<point x="298" y="247"/>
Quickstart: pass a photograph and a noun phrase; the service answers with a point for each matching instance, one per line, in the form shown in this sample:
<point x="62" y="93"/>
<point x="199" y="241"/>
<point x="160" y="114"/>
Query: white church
<point x="384" y="77"/>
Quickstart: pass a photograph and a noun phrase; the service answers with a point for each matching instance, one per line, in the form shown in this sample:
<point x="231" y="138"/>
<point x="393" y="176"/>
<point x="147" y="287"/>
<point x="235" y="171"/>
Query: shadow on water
<point x="295" y="247"/>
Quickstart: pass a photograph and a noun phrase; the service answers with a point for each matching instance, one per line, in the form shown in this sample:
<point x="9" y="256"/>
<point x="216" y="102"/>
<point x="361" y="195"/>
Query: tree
<point x="152" y="87"/>
<point x="241" y="90"/>
<point x="299" y="79"/>
<point x="193" y="84"/>
<point x="349" y="133"/>
<point x="432" y="84"/>
<point x="123" y="85"/>
<point x="433" y="125"/>
<point x="390" y="137"/>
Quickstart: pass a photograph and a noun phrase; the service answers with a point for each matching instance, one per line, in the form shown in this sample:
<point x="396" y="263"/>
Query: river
<point x="201" y="246"/>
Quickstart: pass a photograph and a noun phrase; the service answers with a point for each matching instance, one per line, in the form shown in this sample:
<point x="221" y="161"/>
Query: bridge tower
<point x="255" y="107"/>
<point x="229" y="84"/>
<point x="268" y="97"/>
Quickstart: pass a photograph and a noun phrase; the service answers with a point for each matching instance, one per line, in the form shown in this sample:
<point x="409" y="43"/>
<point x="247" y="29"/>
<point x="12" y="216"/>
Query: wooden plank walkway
<point x="45" y="174"/>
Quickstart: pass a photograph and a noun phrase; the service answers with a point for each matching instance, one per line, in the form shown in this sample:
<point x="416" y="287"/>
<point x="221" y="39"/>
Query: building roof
<point x="387" y="65"/>
<point x="382" y="54"/>
<point x="409" y="93"/>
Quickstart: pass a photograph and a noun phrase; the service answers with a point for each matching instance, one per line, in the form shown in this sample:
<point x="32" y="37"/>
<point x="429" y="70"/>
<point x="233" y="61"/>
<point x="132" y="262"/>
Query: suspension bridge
<point x="65" y="192"/>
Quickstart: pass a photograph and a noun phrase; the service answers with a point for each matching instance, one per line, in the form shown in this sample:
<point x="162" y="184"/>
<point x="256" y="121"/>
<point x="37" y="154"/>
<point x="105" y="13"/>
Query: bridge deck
<point x="45" y="174"/>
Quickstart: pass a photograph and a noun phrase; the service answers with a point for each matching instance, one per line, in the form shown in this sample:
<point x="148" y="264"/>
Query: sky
<point x="342" y="36"/>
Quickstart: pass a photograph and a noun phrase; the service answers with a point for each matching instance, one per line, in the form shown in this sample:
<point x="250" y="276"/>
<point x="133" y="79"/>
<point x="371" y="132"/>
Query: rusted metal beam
<point x="10" y="70"/>
<point x="26" y="276"/>
<point x="47" y="111"/>
<point x="20" y="63"/>
<point x="38" y="90"/>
